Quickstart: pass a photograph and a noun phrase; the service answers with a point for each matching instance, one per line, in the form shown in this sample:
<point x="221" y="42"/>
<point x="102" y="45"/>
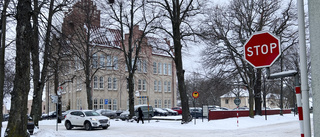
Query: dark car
<point x="5" y="117"/>
<point x="30" y="125"/>
<point x="196" y="112"/>
<point x="159" y="112"/>
<point x="107" y="112"/>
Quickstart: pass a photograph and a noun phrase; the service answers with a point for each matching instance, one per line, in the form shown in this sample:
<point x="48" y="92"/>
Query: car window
<point x="91" y="113"/>
<point x="73" y="113"/>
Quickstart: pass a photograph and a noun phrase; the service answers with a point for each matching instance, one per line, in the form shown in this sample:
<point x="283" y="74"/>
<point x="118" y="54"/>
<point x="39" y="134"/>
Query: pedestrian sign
<point x="106" y="101"/>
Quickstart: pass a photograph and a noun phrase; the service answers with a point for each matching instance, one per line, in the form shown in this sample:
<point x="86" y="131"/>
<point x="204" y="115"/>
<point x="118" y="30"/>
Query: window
<point x="155" y="103"/>
<point x="169" y="103"/>
<point x="95" y="82"/>
<point x="145" y="66"/>
<point x="154" y="68"/>
<point x="169" y="69"/>
<point x="79" y="104"/>
<point x="159" y="86"/>
<point x="109" y="104"/>
<point x="114" y="104"/>
<point x="101" y="61"/>
<point x="169" y="86"/>
<point x="101" y="104"/>
<point x="155" y="85"/>
<point x="165" y="69"/>
<point x="94" y="61"/>
<point x="227" y="101"/>
<point x="101" y="83"/>
<point x="127" y="84"/>
<point x="95" y="104"/>
<point x="144" y="100"/>
<point x="79" y="85"/>
<point x="115" y="83"/>
<point x="165" y="104"/>
<point x="144" y="85"/>
<point x="165" y="86"/>
<point x="139" y="101"/>
<point x="126" y="66"/>
<point x="139" y="65"/>
<point x="139" y="84"/>
<point x="109" y="83"/>
<point x="159" y="103"/>
<point x="109" y="63"/>
<point x="115" y="63"/>
<point x="159" y="68"/>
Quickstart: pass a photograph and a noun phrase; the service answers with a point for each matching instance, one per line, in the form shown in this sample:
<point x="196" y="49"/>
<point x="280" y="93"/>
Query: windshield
<point x="91" y="113"/>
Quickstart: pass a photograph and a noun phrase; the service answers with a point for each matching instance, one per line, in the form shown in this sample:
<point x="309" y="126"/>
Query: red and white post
<point x="299" y="105"/>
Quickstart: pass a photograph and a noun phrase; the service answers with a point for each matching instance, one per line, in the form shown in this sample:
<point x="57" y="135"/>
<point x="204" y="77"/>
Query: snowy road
<point x="275" y="126"/>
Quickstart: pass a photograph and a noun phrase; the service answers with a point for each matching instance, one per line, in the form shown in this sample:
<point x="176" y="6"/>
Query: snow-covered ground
<point x="274" y="126"/>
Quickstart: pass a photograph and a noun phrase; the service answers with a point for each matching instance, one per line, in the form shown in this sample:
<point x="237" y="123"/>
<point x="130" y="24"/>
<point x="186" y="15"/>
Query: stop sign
<point x="262" y="49"/>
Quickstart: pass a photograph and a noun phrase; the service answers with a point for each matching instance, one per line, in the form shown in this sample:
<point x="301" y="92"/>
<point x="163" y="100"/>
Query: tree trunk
<point x="257" y="93"/>
<point x="17" y="125"/>
<point x="3" y="27"/>
<point x="37" y="92"/>
<point x="131" y="96"/>
<point x="180" y="75"/>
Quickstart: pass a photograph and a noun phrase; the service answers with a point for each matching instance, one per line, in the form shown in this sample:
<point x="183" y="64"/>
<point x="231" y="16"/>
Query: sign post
<point x="195" y="95"/>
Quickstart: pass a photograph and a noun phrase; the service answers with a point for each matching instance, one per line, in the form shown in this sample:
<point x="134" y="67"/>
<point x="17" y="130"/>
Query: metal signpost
<point x="195" y="95"/>
<point x="237" y="101"/>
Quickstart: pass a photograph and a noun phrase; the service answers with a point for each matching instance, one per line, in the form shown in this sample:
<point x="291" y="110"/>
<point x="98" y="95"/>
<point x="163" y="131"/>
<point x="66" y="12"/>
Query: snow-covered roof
<point x="105" y="37"/>
<point x="273" y="95"/>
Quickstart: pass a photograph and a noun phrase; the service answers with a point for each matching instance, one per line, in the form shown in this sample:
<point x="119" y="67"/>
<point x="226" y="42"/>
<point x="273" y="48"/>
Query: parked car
<point x="30" y="125"/>
<point x="196" y="112"/>
<point x="160" y="112"/>
<point x="52" y="114"/>
<point x="147" y="111"/>
<point x="124" y="115"/>
<point x="86" y="118"/>
<point x="5" y="117"/>
<point x="119" y="112"/>
<point x="107" y="112"/>
<point x="170" y="111"/>
<point x="178" y="109"/>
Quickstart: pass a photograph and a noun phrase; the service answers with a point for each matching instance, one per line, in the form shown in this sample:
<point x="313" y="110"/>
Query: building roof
<point x="105" y="37"/>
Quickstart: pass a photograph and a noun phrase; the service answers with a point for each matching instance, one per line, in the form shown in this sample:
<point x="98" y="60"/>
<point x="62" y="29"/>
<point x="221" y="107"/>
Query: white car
<point x="86" y="118"/>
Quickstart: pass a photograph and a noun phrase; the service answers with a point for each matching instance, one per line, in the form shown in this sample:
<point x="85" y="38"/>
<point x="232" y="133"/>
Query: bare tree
<point x="178" y="13"/>
<point x="40" y="77"/>
<point x="129" y="16"/>
<point x="230" y="27"/>
<point x="17" y="126"/>
<point x="210" y="88"/>
<point x="3" y="20"/>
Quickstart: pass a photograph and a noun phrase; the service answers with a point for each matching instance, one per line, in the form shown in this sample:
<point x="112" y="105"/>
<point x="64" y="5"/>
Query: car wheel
<point x="68" y="125"/>
<point x="87" y="126"/>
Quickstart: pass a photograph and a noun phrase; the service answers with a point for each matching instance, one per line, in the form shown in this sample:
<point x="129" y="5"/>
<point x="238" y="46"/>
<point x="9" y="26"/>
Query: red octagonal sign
<point x="262" y="49"/>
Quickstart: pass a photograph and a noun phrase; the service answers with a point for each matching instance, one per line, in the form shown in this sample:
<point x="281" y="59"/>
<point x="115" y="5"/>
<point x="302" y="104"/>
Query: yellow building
<point x="155" y="74"/>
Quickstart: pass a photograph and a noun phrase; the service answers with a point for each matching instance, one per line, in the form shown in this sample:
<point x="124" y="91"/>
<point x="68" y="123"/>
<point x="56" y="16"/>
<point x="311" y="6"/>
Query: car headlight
<point x="93" y="119"/>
